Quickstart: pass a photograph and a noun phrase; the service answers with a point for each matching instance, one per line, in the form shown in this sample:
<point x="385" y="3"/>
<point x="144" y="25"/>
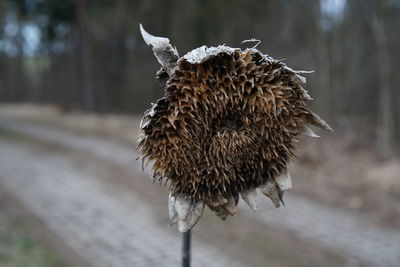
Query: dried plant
<point x="227" y="126"/>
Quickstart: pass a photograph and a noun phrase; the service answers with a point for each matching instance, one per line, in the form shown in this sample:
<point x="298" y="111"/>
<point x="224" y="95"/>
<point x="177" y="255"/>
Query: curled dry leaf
<point x="250" y="197"/>
<point x="272" y="190"/>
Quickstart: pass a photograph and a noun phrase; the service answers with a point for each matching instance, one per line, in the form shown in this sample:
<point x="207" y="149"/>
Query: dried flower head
<point x="227" y="126"/>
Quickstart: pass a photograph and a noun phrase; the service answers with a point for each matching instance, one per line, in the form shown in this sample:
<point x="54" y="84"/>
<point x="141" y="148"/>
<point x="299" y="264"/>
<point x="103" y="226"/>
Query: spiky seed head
<point x="227" y="125"/>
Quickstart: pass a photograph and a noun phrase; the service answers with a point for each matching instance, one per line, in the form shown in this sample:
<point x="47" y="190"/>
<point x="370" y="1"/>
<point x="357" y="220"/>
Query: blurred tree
<point x="91" y="56"/>
<point x="385" y="125"/>
<point x="85" y="55"/>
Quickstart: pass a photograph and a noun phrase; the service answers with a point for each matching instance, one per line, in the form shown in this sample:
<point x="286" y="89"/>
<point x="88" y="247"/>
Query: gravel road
<point x="331" y="228"/>
<point x="104" y="230"/>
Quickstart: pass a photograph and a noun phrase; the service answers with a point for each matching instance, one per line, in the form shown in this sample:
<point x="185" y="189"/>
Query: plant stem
<point x="186" y="236"/>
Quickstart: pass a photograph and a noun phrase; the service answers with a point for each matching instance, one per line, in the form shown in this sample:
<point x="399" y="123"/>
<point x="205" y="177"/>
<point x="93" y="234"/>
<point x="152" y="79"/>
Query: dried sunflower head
<point x="227" y="126"/>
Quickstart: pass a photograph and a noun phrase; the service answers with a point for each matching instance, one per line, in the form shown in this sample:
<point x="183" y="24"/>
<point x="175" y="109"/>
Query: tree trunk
<point x="385" y="131"/>
<point x="85" y="57"/>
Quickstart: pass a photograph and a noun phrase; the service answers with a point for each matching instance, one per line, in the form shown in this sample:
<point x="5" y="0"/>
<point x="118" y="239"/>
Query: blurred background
<point x="75" y="77"/>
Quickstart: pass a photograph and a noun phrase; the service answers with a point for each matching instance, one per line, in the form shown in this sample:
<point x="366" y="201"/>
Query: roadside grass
<point x="4" y="132"/>
<point x="20" y="248"/>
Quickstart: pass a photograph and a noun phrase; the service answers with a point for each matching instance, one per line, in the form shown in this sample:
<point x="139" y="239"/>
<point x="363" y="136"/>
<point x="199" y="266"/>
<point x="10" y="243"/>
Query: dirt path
<point x="106" y="231"/>
<point x="330" y="228"/>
